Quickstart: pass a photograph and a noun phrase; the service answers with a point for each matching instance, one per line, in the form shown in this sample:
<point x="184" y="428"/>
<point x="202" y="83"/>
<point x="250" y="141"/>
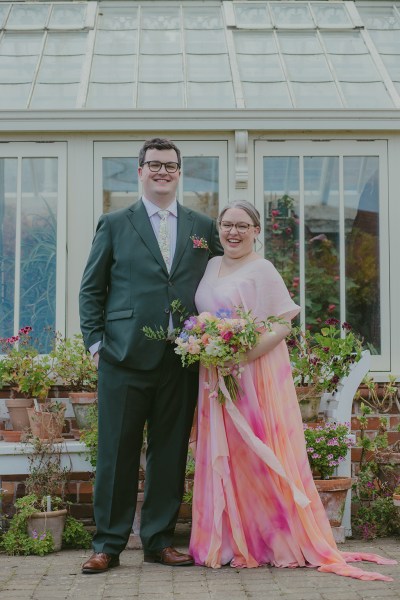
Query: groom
<point x="142" y="258"/>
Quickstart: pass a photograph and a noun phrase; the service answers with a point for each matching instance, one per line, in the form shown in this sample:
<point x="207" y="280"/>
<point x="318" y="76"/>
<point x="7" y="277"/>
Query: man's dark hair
<point x="158" y="144"/>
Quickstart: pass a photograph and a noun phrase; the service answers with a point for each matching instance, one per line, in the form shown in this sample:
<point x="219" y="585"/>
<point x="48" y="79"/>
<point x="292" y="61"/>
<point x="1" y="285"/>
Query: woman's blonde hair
<point x="250" y="209"/>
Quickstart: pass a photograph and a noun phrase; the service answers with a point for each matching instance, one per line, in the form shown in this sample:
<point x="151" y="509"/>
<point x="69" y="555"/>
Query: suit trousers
<point x="165" y="398"/>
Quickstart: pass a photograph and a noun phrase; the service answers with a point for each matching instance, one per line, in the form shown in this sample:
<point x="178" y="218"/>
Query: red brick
<point x="85" y="492"/>
<point x="82" y="511"/>
<point x="80" y="476"/>
<point x="393" y="436"/>
<point x="394" y="422"/>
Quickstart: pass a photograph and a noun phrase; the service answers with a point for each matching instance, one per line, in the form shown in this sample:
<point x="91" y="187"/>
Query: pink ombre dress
<point x="254" y="499"/>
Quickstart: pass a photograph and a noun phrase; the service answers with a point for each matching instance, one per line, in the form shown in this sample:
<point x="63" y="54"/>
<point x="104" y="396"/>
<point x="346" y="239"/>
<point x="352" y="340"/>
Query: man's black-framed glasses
<point x="156" y="165"/>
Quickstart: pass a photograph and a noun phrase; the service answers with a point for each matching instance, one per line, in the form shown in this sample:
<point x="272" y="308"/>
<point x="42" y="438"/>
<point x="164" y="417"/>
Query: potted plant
<point x="27" y="373"/>
<point x="77" y="371"/>
<point x="320" y="360"/>
<point x="41" y="524"/>
<point x="327" y="445"/>
<point x="47" y="420"/>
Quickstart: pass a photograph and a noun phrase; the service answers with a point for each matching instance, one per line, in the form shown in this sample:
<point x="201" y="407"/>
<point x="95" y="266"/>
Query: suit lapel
<point x="185" y="226"/>
<point x="139" y="219"/>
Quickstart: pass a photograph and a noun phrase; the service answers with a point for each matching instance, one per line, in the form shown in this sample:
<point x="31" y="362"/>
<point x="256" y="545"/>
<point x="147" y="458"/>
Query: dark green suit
<point x="125" y="286"/>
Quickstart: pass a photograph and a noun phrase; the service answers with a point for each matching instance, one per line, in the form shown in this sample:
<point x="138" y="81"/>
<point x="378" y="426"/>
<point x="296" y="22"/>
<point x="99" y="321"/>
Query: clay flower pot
<point x="81" y="402"/>
<point x="47" y="425"/>
<point x="333" y="494"/>
<point x="9" y="435"/>
<point x="17" y="410"/>
<point x="53" y="521"/>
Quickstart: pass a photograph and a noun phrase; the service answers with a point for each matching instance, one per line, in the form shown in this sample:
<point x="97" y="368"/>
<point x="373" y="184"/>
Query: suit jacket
<point x="126" y="284"/>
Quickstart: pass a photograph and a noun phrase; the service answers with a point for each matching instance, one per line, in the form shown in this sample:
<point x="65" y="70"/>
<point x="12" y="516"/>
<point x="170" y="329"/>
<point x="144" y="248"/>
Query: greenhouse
<point x="292" y="105"/>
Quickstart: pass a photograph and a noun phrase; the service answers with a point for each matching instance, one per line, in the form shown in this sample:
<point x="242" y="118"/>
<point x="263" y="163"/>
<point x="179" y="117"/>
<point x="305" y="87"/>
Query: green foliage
<point x="90" y="436"/>
<point x="327" y="445"/>
<point x="75" y="535"/>
<point x="378" y="518"/>
<point x="73" y="365"/>
<point x="47" y="476"/>
<point x="28" y="373"/>
<point x="16" y="540"/>
<point x="322" y="358"/>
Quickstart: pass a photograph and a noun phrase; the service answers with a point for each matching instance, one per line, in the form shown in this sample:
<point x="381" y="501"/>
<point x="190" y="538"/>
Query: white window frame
<point x="23" y="150"/>
<point x="339" y="148"/>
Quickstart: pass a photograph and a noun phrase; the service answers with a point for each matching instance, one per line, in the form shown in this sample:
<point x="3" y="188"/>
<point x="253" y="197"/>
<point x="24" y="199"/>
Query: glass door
<point x="325" y="227"/>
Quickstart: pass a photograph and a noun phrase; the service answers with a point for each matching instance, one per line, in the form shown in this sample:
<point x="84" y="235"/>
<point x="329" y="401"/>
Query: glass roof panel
<point x="349" y="42"/>
<point x="380" y="17"/>
<point x="116" y="42"/>
<point x="28" y="16"/>
<point x="291" y="14"/>
<point x="205" y="41"/>
<point x="161" y="68"/>
<point x="110" y="95"/>
<point x="160" y="17"/>
<point x="260" y="68"/>
<point x="17" y="69"/>
<point x="366" y="95"/>
<point x="170" y="93"/>
<point x="66" y="43"/>
<point x="216" y="68"/>
<point x="118" y="18"/>
<point x="3" y="13"/>
<point x="255" y="42"/>
<point x="68" y="16"/>
<point x="15" y="96"/>
<point x="105" y="69"/>
<point x="160" y="42"/>
<point x="307" y="67"/>
<point x="316" y="95"/>
<point x="392" y="63"/>
<point x="44" y="95"/>
<point x="214" y="95"/>
<point x="387" y="42"/>
<point x="60" y="69"/>
<point x="331" y="15"/>
<point x="252" y="15"/>
<point x="266" y="95"/>
<point x="202" y="17"/>
<point x="358" y="67"/>
<point x="15" y="44"/>
<point x="299" y="43"/>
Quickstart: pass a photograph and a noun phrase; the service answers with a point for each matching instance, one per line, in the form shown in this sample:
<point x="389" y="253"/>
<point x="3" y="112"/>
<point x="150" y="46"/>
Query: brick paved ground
<point x="58" y="576"/>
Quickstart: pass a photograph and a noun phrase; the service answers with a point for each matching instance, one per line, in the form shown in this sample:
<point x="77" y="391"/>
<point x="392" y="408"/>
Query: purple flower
<point x="34" y="534"/>
<point x="332" y="321"/>
<point x="190" y="323"/>
<point x="223" y="313"/>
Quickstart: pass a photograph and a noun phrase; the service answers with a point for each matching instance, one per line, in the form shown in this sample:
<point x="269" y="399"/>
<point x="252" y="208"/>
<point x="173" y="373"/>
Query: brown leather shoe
<point x="171" y="557"/>
<point x="100" y="562"/>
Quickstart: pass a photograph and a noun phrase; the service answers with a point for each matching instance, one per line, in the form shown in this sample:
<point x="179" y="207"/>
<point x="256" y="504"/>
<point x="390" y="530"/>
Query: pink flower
<point x="331" y="307"/>
<point x="275" y="213"/>
<point x="227" y="335"/>
<point x="275" y="226"/>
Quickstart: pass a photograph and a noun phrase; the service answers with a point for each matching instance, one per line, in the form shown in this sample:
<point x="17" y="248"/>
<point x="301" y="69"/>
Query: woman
<point x="254" y="497"/>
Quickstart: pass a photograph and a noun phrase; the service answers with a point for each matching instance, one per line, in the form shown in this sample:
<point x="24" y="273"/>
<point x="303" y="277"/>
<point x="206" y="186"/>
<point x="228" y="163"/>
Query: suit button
<point x="166" y="310"/>
<point x="170" y="283"/>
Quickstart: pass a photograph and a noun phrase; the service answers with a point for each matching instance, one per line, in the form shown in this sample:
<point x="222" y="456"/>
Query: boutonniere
<point x="199" y="242"/>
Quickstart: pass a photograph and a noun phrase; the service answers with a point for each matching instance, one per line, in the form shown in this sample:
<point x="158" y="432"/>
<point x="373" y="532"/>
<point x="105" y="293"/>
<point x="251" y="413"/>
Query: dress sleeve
<point x="266" y="294"/>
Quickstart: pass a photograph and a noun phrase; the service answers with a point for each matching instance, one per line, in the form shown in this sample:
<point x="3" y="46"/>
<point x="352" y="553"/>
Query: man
<point x="140" y="262"/>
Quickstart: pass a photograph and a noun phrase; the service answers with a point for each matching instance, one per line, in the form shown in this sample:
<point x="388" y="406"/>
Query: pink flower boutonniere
<point x="199" y="242"/>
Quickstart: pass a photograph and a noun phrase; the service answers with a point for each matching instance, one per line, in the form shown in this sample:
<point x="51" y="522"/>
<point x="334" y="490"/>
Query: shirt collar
<point x="152" y="208"/>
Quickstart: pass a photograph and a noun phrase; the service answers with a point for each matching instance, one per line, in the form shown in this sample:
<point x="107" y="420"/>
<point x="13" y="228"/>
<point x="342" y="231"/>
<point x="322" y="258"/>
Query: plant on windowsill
<point x="320" y="360"/>
<point x="77" y="371"/>
<point x="327" y="446"/>
<point x="40" y="524"/>
<point x="27" y="373"/>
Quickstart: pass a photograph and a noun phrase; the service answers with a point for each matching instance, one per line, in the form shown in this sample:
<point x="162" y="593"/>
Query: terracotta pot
<point x="309" y="402"/>
<point x="333" y="494"/>
<point x="9" y="435"/>
<point x="47" y="425"/>
<point x="81" y="402"/>
<point x="396" y="500"/>
<point x="54" y="522"/>
<point x="18" y="414"/>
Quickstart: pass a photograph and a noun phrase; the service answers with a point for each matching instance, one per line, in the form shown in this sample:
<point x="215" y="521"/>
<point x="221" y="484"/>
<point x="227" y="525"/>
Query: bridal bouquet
<point x="218" y="341"/>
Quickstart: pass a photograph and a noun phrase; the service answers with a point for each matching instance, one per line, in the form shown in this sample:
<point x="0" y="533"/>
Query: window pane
<point x="366" y="95"/>
<point x="355" y="68"/>
<point x="110" y="95"/>
<point x="361" y="197"/>
<point x="386" y="41"/>
<point x="160" y="42"/>
<point x="28" y="16"/>
<point x="258" y="68"/>
<point x="17" y="69"/>
<point x="39" y="246"/>
<point x="299" y="43"/>
<point x="252" y="15"/>
<point x="321" y="213"/>
<point x="116" y="42"/>
<point x="316" y="95"/>
<point x="106" y="69"/>
<point x="60" y="69"/>
<point x="219" y="95"/>
<point x="8" y="216"/>
<point x="155" y="69"/>
<point x="375" y="17"/>
<point x="204" y="17"/>
<point x="266" y="95"/>
<point x="160" y="18"/>
<point x="215" y="68"/>
<point x="344" y="43"/>
<point x="15" y="44"/>
<point x="14" y="95"/>
<point x="281" y="210"/>
<point x="205" y="41"/>
<point x="150" y="94"/>
<point x="66" y="16"/>
<point x="288" y="15"/>
<point x="255" y="42"/>
<point x="120" y="183"/>
<point x="201" y="184"/>
<point x="331" y="15"/>
<point x="66" y="43"/>
<point x="3" y="13"/>
<point x="46" y="94"/>
<point x="118" y="18"/>
<point x="308" y="68"/>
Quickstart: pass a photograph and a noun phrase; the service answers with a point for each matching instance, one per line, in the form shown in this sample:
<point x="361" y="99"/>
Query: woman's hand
<point x="268" y="341"/>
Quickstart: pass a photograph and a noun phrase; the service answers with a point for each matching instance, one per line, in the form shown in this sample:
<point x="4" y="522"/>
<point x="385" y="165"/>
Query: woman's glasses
<point x="155" y="166"/>
<point x="241" y="228"/>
